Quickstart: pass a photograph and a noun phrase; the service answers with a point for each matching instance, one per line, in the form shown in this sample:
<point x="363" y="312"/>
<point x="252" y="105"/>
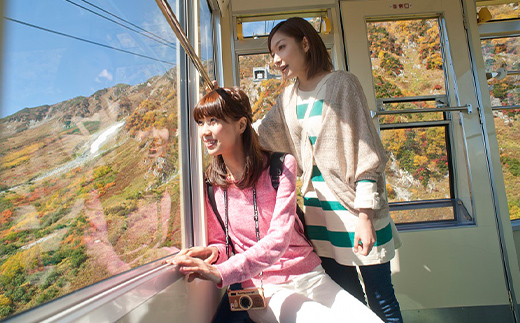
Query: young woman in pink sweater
<point x="270" y="252"/>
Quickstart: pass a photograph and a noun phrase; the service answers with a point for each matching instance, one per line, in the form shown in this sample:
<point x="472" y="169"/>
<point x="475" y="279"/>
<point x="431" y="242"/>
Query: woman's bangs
<point x="211" y="105"/>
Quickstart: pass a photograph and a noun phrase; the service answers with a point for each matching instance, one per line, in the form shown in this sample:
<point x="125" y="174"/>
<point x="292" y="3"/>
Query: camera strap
<point x="257" y="227"/>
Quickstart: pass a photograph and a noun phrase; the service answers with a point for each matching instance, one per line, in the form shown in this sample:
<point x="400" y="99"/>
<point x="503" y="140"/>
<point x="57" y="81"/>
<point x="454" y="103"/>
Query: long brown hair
<point x="230" y="105"/>
<point x="317" y="58"/>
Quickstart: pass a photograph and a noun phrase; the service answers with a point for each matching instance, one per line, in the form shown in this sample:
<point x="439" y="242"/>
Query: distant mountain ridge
<point x="120" y="99"/>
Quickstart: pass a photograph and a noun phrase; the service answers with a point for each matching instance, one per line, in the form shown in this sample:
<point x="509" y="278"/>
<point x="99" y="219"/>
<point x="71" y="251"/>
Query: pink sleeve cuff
<point x="221" y="253"/>
<point x="225" y="271"/>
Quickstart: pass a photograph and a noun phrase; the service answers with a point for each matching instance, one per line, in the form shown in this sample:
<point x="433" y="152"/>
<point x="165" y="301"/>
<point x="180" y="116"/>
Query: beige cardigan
<point x="348" y="148"/>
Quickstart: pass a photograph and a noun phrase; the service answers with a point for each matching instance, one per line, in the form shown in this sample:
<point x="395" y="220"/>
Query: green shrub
<point x="51" y="279"/>
<point x="513" y="165"/>
<point x="47" y="295"/>
<point x="77" y="257"/>
<point x="5" y="310"/>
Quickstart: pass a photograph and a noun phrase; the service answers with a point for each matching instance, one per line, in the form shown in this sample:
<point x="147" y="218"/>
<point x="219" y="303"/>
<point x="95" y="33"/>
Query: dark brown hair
<point x="230" y="105"/>
<point x="317" y="58"/>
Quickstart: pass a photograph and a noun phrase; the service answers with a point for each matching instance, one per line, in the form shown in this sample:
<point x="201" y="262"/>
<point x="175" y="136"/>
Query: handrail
<point x="464" y="108"/>
<point x="418" y="124"/>
<point x="508" y="107"/>
<point x="501" y="74"/>
<point x="419" y="98"/>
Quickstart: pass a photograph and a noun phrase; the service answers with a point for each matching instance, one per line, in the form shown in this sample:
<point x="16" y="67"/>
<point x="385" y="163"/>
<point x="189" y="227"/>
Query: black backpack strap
<point x="213" y="203"/>
<point x="211" y="197"/>
<point x="275" y="170"/>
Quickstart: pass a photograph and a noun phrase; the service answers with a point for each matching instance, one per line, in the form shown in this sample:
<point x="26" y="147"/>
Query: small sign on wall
<point x="401" y="5"/>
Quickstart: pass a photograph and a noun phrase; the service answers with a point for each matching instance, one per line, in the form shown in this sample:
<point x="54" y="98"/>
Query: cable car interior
<point x="101" y="168"/>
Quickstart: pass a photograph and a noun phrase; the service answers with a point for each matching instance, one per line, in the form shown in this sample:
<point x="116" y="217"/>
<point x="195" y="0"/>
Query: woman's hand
<point x="197" y="268"/>
<point x="365" y="234"/>
<point x="208" y="254"/>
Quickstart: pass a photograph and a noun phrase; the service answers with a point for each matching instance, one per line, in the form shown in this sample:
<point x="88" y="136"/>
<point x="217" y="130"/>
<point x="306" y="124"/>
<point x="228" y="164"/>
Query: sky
<point x="41" y="67"/>
<point x="258" y="27"/>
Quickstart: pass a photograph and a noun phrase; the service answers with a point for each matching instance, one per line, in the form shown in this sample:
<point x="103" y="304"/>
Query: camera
<point x="246" y="299"/>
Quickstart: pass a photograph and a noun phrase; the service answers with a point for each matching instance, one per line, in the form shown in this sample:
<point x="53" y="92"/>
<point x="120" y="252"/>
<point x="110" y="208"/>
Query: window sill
<point x="515" y="224"/>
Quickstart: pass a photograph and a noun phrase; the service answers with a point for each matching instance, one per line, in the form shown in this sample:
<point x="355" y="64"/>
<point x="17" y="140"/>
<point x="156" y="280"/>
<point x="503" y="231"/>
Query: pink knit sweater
<point x="282" y="252"/>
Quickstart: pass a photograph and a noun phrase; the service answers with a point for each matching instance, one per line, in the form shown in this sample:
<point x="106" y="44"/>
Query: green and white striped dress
<point x="331" y="226"/>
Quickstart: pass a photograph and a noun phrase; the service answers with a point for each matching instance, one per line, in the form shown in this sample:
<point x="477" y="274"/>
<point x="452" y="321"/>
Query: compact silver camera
<point x="246" y="299"/>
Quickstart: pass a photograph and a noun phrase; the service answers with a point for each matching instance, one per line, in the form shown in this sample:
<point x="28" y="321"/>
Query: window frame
<point x="462" y="216"/>
<point x="501" y="29"/>
<point x="258" y="45"/>
<point x="197" y="214"/>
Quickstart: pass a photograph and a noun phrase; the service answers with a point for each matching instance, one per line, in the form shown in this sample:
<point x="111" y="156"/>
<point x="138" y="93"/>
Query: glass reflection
<point x="501" y="56"/>
<point x="89" y="166"/>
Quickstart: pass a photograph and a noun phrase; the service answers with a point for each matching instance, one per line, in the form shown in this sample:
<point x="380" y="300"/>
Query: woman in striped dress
<point x="324" y="121"/>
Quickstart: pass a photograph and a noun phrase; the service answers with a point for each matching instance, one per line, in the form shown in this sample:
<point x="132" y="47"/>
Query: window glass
<point x="260" y="81"/>
<point x="206" y="48"/>
<point x="503" y="69"/>
<point x="507" y="126"/>
<point x="263" y="27"/>
<point x="258" y="28"/>
<point x="419" y="167"/>
<point x="408" y="71"/>
<point x="89" y="167"/>
<point x="406" y="58"/>
<point x="503" y="72"/>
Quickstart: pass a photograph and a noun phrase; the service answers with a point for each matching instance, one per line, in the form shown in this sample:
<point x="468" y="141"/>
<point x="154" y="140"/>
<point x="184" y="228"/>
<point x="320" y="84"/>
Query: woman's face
<point x="289" y="55"/>
<point x="220" y="136"/>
